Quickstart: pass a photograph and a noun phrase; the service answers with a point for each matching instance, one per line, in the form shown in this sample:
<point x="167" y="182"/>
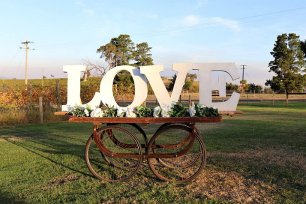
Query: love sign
<point x="151" y="74"/>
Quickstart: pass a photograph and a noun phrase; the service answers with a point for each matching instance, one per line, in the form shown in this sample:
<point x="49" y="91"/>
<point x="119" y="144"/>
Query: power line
<point x="207" y="24"/>
<point x="26" y="48"/>
<point x="271" y="13"/>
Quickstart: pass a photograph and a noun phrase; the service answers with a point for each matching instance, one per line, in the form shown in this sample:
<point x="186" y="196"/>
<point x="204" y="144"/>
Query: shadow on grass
<point x="48" y="146"/>
<point x="8" y="199"/>
<point x="31" y="149"/>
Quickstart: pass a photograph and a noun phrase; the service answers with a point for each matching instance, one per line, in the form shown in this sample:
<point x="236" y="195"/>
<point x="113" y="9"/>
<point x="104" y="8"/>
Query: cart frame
<point x="180" y="160"/>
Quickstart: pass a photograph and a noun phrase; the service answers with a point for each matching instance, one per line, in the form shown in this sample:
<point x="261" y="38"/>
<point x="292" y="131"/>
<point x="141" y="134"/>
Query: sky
<point x="68" y="32"/>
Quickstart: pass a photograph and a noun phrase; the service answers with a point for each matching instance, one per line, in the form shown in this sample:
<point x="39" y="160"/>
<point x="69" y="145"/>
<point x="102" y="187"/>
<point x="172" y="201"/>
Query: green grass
<point x="256" y="157"/>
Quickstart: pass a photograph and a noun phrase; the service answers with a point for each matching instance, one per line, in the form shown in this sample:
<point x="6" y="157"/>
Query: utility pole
<point x="243" y="68"/>
<point x="26" y="48"/>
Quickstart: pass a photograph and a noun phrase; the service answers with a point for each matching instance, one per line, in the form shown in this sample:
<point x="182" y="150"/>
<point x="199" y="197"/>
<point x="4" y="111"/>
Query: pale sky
<point x="70" y="31"/>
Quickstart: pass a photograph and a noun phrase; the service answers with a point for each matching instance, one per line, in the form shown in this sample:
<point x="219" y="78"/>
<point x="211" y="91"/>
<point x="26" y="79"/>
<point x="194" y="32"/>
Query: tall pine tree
<point x="288" y="64"/>
<point x="142" y="54"/>
<point x="303" y="47"/>
<point x="121" y="51"/>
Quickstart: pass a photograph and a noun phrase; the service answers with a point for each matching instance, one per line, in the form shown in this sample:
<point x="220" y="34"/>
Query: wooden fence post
<point x="58" y="94"/>
<point x="41" y="110"/>
<point x="247" y="97"/>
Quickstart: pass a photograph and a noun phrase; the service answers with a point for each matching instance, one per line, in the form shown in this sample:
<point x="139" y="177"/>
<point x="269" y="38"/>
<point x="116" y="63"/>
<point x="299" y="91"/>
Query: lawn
<point x="256" y="157"/>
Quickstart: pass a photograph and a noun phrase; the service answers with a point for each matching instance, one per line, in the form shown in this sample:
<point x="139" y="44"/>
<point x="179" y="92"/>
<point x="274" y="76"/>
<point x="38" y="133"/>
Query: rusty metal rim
<point x="197" y="137"/>
<point x="95" y="138"/>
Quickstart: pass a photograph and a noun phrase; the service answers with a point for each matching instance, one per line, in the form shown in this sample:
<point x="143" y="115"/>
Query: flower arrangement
<point x="142" y="111"/>
<point x="175" y="110"/>
<point x="80" y="111"/>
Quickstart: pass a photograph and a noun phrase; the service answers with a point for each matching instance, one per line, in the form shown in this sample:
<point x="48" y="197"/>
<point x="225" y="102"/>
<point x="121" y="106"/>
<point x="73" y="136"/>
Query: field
<point x="256" y="157"/>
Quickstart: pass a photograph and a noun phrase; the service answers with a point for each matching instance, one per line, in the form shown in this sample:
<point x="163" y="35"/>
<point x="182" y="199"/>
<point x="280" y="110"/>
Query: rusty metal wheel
<point x="176" y="153"/>
<point x="113" y="155"/>
<point x="136" y="130"/>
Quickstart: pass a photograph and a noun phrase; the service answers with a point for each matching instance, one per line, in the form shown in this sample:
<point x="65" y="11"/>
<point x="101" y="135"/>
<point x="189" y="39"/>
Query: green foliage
<point x="121" y="51"/>
<point x="142" y="55"/>
<point x="178" y="110"/>
<point x="243" y="82"/>
<point x="203" y="111"/>
<point x="80" y="111"/>
<point x="118" y="51"/>
<point x="187" y="84"/>
<point x="142" y="111"/>
<point x="124" y="83"/>
<point x="189" y="81"/>
<point x="253" y="88"/>
<point x="109" y="111"/>
<point x="231" y="87"/>
<point x="288" y="64"/>
<point x="172" y="82"/>
<point x="303" y="47"/>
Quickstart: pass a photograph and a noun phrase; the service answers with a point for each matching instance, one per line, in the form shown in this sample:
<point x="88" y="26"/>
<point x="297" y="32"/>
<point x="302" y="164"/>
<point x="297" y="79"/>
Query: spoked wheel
<point x="121" y="157"/>
<point x="176" y="153"/>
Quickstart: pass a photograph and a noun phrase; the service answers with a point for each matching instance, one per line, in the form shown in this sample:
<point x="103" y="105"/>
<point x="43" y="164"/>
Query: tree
<point x="171" y="84"/>
<point x="253" y="88"/>
<point x="303" y="47"/>
<point x="121" y="51"/>
<point x="94" y="69"/>
<point x="288" y="64"/>
<point x="142" y="54"/>
<point x="232" y="87"/>
<point x="118" y="51"/>
<point x="188" y="82"/>
<point x="243" y="86"/>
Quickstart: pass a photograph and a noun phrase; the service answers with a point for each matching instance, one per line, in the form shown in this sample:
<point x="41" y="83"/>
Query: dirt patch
<point x="57" y="181"/>
<point x="212" y="184"/>
<point x="279" y="157"/>
<point x="222" y="186"/>
<point x="10" y="138"/>
<point x="230" y="186"/>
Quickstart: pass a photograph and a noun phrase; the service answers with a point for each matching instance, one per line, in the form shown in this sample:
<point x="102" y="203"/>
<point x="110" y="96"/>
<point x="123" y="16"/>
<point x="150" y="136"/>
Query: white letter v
<point x="152" y="73"/>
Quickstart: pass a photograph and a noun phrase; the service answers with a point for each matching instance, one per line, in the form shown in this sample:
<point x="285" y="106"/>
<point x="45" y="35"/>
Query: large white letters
<point x="73" y="88"/>
<point x="205" y="88"/>
<point x="162" y="95"/>
<point x="152" y="74"/>
<point x="106" y="86"/>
